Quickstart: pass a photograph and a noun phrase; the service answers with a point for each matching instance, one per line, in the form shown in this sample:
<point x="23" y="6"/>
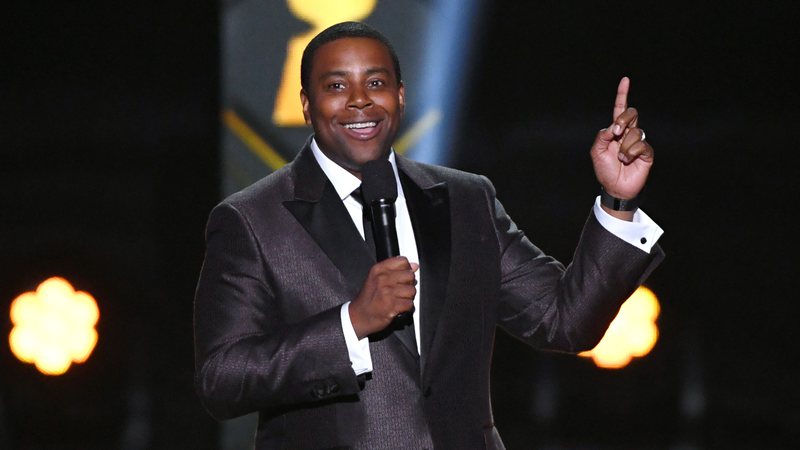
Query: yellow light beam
<point x="415" y="133"/>
<point x="252" y="140"/>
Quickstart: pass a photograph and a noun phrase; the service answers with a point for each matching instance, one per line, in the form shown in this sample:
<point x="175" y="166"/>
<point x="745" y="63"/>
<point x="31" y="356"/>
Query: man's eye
<point x="336" y="86"/>
<point x="376" y="83"/>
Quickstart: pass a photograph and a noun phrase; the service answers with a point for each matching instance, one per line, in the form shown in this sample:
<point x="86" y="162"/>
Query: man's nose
<point x="359" y="98"/>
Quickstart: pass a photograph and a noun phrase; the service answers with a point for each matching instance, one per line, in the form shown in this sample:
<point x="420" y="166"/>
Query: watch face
<point x="261" y="45"/>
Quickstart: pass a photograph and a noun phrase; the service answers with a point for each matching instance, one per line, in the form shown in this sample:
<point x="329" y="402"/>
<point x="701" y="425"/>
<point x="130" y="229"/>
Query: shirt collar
<point x="343" y="181"/>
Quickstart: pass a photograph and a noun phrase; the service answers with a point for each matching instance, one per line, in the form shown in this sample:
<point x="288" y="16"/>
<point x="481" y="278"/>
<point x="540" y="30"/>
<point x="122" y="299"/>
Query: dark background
<point x="109" y="166"/>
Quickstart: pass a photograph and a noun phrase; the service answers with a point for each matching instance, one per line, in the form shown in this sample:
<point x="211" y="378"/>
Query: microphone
<point x="379" y="189"/>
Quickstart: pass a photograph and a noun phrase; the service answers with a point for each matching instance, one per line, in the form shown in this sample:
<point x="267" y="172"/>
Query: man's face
<point x="353" y="102"/>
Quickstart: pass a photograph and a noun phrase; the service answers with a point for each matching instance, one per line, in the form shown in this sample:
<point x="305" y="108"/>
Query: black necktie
<point x="366" y="220"/>
<point x="404" y="324"/>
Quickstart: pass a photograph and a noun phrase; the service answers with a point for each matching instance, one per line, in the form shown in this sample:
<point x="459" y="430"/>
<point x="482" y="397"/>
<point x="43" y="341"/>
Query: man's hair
<point x="340" y="31"/>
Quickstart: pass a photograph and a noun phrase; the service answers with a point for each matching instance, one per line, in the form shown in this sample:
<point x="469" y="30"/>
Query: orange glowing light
<point x="53" y="326"/>
<point x="632" y="334"/>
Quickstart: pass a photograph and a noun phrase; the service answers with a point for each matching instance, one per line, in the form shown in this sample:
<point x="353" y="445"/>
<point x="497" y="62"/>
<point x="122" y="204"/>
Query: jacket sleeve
<point x="247" y="356"/>
<point x="565" y="308"/>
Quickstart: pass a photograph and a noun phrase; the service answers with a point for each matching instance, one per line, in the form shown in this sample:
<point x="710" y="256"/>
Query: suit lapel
<point x="318" y="208"/>
<point x="429" y="208"/>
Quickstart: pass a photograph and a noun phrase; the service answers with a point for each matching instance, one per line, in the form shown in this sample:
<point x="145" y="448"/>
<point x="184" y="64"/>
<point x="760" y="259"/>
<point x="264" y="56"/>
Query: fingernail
<point x="617" y="129"/>
<point x="622" y="157"/>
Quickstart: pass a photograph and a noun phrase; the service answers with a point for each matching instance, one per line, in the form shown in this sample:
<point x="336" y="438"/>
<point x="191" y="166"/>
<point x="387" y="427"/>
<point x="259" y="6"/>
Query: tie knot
<point x="358" y="196"/>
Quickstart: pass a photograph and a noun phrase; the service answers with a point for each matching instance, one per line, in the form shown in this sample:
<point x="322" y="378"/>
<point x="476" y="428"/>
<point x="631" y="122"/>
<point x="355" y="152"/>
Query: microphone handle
<point x="384" y="231"/>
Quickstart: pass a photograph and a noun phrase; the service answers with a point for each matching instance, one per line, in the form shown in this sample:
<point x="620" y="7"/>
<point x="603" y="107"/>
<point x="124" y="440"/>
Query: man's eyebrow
<point x="374" y="70"/>
<point x="344" y="73"/>
<point x="333" y="73"/>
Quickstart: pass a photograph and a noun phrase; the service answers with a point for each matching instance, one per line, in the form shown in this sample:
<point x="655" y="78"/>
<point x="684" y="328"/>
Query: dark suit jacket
<point x="282" y="257"/>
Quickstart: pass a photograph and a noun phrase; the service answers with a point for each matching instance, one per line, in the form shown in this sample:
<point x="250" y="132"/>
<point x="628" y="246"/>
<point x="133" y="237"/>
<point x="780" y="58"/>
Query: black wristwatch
<point x="618" y="204"/>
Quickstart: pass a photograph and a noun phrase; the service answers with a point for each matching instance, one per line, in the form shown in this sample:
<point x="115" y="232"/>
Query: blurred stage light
<point x="632" y="334"/>
<point x="53" y="326"/>
<point x="450" y="40"/>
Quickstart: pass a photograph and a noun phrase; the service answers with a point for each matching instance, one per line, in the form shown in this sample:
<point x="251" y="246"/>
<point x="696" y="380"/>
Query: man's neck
<point x="342" y="179"/>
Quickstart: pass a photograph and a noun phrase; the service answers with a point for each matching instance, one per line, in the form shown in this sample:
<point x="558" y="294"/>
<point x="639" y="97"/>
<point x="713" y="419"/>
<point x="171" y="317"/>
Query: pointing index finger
<point x="621" y="101"/>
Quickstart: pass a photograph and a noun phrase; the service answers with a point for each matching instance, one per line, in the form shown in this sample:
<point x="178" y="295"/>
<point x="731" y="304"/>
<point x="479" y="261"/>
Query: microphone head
<point x="378" y="182"/>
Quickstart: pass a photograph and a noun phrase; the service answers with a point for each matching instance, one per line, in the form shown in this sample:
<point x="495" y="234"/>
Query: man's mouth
<point x="360" y="125"/>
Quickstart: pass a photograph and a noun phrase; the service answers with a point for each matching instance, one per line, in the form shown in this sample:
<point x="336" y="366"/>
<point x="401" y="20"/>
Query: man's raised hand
<point x="621" y="156"/>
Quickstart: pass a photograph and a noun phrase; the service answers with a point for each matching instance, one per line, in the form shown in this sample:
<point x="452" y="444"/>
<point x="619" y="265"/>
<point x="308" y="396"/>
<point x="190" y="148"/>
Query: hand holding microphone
<point x="389" y="291"/>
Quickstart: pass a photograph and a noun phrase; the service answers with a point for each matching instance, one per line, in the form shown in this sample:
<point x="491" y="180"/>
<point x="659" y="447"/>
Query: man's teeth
<point x="360" y="125"/>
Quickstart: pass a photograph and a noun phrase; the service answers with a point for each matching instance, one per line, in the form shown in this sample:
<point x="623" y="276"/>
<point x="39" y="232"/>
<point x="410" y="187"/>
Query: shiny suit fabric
<point x="282" y="257"/>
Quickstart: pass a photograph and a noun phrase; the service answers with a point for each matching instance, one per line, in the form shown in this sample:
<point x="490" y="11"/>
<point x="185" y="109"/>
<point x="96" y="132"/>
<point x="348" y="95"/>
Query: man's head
<point x="352" y="93"/>
<point x="339" y="31"/>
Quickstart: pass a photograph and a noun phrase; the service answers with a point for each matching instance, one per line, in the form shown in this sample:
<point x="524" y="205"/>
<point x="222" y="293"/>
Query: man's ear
<point x="401" y="97"/>
<point x="304" y="100"/>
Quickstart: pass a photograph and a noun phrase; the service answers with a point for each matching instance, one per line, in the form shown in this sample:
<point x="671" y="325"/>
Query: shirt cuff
<point x="642" y="232"/>
<point x="360" y="357"/>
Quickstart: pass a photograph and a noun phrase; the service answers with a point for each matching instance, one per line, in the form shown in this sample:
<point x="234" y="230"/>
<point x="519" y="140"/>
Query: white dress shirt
<point x="642" y="233"/>
<point x="345" y="183"/>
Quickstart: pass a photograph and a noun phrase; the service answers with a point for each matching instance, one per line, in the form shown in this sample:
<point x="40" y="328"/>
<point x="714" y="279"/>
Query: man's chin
<point x="366" y="155"/>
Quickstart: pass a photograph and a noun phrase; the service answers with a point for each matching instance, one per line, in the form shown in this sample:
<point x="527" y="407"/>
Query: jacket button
<point x="318" y="391"/>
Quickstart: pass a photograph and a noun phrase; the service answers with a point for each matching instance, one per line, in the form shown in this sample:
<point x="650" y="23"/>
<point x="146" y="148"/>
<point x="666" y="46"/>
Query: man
<point x="295" y="319"/>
